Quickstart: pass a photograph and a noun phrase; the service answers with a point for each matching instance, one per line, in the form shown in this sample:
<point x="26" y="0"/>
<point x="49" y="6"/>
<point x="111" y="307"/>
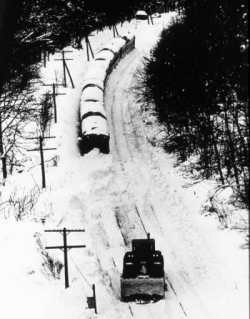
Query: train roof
<point x="116" y="44"/>
<point x="91" y="106"/>
<point x="106" y="54"/>
<point x="92" y="93"/>
<point x="94" y="125"/>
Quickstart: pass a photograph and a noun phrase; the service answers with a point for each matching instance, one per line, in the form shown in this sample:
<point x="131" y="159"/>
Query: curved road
<point x="197" y="277"/>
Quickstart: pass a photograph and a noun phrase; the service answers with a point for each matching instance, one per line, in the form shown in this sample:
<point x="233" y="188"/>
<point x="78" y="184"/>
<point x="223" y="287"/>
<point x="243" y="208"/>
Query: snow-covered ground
<point x="115" y="198"/>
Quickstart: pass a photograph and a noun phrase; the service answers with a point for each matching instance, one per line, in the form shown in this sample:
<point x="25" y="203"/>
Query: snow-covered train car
<point x="91" y="92"/>
<point x="114" y="46"/>
<point x="101" y="66"/>
<point x="117" y="44"/>
<point x="105" y="54"/>
<point x="94" y="127"/>
<point x="95" y="74"/>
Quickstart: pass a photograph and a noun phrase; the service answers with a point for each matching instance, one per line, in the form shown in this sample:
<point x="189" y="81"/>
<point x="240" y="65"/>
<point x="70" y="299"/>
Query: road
<point x="151" y="199"/>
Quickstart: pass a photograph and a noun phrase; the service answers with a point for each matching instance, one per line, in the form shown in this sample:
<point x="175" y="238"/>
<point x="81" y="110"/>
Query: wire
<point x="138" y="213"/>
<point x="79" y="270"/>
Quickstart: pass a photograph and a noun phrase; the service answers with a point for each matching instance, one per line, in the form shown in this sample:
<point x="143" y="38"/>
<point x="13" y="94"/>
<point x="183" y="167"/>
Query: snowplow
<point x="143" y="272"/>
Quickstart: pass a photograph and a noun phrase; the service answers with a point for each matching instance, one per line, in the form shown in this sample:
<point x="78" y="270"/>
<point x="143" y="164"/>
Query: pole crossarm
<point x="68" y="247"/>
<point x="65" y="51"/>
<point x="50" y="149"/>
<point x="64" y="59"/>
<point x="35" y="138"/>
<point x="62" y="230"/>
<point x="56" y="84"/>
<point x="44" y="149"/>
<point x="51" y="94"/>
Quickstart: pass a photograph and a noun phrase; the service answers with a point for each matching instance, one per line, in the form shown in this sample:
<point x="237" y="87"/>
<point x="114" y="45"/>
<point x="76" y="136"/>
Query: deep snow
<point x="207" y="270"/>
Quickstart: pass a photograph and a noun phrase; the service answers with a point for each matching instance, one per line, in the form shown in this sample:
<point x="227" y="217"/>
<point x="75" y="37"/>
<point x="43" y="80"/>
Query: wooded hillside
<point x="197" y="78"/>
<point x="30" y="27"/>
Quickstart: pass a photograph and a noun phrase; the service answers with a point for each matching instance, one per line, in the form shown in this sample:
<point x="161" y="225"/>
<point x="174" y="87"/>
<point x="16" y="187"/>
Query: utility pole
<point x="66" y="69"/>
<point x="44" y="58"/>
<point x="54" y="95"/>
<point x="42" y="161"/>
<point x="41" y="150"/>
<point x="115" y="31"/>
<point x="3" y="156"/>
<point x="65" y="248"/>
<point x="89" y="49"/>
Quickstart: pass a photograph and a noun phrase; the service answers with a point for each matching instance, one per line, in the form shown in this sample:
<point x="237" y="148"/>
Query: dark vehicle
<point x="141" y="15"/>
<point x="143" y="272"/>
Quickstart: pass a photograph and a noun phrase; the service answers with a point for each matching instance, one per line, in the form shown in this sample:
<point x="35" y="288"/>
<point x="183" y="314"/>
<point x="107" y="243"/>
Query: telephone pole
<point x="89" y="49"/>
<point x="3" y="156"/>
<point x="54" y="94"/>
<point x="41" y="150"/>
<point x="65" y="248"/>
<point x="66" y="69"/>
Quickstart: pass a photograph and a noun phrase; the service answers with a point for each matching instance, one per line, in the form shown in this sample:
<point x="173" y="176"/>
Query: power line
<point x="79" y="270"/>
<point x="139" y="215"/>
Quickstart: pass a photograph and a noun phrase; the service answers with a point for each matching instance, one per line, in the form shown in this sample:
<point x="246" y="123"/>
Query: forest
<point x="30" y="27"/>
<point x="197" y="77"/>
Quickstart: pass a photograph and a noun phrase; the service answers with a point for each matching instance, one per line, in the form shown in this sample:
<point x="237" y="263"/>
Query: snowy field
<point x="115" y="198"/>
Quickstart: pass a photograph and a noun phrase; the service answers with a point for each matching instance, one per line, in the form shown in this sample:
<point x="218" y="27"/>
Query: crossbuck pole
<point x="65" y="249"/>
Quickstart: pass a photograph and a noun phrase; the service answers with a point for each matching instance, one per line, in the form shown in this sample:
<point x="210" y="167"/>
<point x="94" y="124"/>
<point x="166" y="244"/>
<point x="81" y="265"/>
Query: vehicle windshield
<point x="143" y="246"/>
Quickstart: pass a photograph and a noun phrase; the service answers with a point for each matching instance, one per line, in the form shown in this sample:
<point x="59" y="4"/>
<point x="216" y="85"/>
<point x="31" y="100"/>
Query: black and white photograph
<point x="124" y="159"/>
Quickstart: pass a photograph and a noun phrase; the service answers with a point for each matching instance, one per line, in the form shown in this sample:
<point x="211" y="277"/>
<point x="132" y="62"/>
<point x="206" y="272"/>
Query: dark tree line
<point x="197" y="77"/>
<point x="29" y="27"/>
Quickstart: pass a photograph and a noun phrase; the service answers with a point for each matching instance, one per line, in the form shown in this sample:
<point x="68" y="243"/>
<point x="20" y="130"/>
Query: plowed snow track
<point x="193" y="269"/>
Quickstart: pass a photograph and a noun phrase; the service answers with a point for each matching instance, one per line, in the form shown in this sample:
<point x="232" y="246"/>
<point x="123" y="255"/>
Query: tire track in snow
<point x="166" y="277"/>
<point x="115" y="114"/>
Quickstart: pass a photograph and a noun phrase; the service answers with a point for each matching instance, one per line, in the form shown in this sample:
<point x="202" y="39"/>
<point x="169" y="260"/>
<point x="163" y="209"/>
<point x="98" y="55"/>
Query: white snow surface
<point x="206" y="267"/>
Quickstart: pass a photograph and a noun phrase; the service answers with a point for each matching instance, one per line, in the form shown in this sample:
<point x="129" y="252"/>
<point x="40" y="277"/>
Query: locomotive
<point x="143" y="275"/>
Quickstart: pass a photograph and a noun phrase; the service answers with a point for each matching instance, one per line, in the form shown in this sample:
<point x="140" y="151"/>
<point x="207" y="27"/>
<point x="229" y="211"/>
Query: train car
<point x="95" y="73"/>
<point x="141" y="15"/>
<point x="116" y="45"/>
<point x="105" y="54"/>
<point x="94" y="131"/>
<point x="94" y="127"/>
<point x="91" y="92"/>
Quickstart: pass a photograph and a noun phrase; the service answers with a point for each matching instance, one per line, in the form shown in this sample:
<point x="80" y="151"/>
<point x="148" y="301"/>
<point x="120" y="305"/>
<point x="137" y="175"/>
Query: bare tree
<point x="16" y="109"/>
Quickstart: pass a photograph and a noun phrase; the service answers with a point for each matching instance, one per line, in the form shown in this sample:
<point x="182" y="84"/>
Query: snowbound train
<point x="94" y="130"/>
